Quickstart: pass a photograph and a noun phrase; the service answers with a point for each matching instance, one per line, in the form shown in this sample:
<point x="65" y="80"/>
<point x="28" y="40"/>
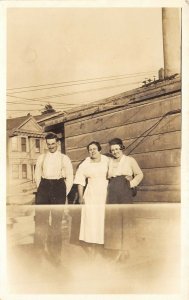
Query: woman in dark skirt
<point x="124" y="175"/>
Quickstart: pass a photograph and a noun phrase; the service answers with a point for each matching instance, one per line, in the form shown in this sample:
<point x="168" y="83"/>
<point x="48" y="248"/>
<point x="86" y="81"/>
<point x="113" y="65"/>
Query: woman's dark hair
<point x="95" y="143"/>
<point x="117" y="141"/>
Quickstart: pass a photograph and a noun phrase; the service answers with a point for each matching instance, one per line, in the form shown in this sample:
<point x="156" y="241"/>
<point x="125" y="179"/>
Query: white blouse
<point x="128" y="167"/>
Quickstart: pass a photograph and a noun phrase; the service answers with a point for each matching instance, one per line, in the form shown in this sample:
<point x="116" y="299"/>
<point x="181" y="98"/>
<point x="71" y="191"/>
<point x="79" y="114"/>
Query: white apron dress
<point x="93" y="211"/>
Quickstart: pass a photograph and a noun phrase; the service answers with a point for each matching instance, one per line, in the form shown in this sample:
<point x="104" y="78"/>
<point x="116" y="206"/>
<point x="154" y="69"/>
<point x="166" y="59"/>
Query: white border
<point x="3" y="152"/>
<point x="185" y="138"/>
<point x="94" y="3"/>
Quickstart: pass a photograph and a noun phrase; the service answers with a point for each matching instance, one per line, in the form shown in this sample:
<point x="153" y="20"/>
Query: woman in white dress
<point x="92" y="170"/>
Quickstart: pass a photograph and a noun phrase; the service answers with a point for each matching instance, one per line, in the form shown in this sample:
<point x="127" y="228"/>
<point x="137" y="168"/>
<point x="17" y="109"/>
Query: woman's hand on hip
<point x="81" y="200"/>
<point x="129" y="178"/>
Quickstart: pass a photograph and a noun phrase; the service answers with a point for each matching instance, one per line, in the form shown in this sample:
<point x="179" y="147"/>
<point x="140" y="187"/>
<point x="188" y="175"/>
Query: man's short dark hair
<point x="51" y="135"/>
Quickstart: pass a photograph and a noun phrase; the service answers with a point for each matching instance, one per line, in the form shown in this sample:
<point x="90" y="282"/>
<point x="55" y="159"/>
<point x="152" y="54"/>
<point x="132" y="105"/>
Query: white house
<point x="25" y="141"/>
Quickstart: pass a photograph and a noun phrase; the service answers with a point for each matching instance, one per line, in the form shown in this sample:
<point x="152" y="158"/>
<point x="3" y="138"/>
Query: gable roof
<point x="26" y="125"/>
<point x="15" y="122"/>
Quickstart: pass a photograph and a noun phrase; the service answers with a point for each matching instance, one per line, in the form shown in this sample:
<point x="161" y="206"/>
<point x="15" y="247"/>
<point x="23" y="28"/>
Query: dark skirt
<point x="119" y="231"/>
<point x="119" y="191"/>
<point x="118" y="218"/>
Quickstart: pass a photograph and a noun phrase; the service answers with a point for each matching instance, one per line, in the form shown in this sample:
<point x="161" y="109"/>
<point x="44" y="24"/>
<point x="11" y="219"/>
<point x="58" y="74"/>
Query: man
<point x="54" y="179"/>
<point x="53" y="174"/>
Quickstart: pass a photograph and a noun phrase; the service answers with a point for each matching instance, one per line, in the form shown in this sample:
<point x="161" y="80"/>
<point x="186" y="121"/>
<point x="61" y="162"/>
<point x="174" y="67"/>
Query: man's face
<point x="52" y="145"/>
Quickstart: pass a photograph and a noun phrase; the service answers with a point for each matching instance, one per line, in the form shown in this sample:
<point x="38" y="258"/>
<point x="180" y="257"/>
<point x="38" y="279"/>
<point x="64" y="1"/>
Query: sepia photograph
<point x="94" y="150"/>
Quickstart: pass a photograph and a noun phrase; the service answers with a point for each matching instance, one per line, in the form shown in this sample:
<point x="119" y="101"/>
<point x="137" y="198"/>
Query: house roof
<point x="14" y="125"/>
<point x="44" y="117"/>
<point x="132" y="97"/>
<point x="16" y="122"/>
<point x="26" y="125"/>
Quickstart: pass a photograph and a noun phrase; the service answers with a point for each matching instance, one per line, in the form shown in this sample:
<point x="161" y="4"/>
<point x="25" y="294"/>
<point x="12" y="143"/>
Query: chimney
<point x="171" y="40"/>
<point x="161" y="74"/>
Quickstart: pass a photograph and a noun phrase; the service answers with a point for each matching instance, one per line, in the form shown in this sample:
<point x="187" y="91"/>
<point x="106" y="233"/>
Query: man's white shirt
<point x="54" y="166"/>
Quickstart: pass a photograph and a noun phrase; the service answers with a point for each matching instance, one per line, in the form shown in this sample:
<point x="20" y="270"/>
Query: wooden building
<point x="148" y="119"/>
<point x="25" y="142"/>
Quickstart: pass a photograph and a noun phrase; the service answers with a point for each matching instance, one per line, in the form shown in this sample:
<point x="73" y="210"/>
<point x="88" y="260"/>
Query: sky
<point x="72" y="56"/>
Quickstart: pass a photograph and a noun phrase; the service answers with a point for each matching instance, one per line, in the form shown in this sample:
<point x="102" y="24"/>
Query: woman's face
<point x="116" y="151"/>
<point x="93" y="151"/>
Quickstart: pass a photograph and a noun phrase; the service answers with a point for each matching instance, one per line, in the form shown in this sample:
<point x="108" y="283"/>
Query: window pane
<point x="24" y="171"/>
<point x="15" y="171"/>
<point x="37" y="145"/>
<point x="14" y="143"/>
<point x="23" y="144"/>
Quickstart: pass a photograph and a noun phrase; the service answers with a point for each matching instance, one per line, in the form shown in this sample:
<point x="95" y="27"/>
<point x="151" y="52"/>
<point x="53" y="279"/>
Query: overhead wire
<point x="24" y="110"/>
<point x="20" y="103"/>
<point x="73" y="93"/>
<point x="42" y="104"/>
<point x="81" y="81"/>
<point x="63" y="105"/>
<point x="146" y="133"/>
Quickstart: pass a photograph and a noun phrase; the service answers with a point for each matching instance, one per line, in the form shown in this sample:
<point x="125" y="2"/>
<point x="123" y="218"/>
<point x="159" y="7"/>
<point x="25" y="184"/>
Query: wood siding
<point x="151" y="131"/>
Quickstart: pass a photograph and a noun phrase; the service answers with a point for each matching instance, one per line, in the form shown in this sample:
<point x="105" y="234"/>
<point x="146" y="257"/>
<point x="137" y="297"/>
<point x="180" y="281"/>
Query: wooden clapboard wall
<point x="150" y="127"/>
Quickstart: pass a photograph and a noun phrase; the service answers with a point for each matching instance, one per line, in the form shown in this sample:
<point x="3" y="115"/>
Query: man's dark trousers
<point x="49" y="235"/>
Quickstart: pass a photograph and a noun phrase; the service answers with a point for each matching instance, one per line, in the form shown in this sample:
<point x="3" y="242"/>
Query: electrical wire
<point x="20" y="103"/>
<point x="73" y="93"/>
<point x="83" y="81"/>
<point x="24" y="110"/>
<point x="145" y="133"/>
<point x="34" y="104"/>
<point x="150" y="129"/>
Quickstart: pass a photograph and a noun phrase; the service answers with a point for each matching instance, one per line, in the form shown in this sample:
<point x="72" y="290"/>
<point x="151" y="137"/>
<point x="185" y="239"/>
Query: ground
<point x="150" y="266"/>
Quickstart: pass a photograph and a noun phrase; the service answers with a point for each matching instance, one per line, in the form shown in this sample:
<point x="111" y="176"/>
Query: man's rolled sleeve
<point x="69" y="173"/>
<point x="38" y="170"/>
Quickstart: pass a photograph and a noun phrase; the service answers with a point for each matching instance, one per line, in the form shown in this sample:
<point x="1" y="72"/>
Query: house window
<point x="37" y="145"/>
<point x="15" y="171"/>
<point x="33" y="172"/>
<point x="14" y="141"/>
<point x="23" y="144"/>
<point x="24" y="171"/>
